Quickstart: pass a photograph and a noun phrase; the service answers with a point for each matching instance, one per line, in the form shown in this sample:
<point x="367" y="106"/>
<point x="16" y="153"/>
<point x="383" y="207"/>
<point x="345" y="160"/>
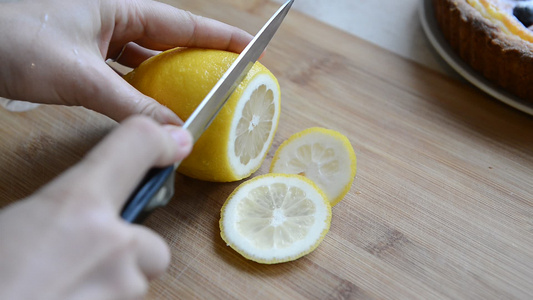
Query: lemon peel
<point x="323" y="155"/>
<point x="236" y="143"/>
<point x="275" y="218"/>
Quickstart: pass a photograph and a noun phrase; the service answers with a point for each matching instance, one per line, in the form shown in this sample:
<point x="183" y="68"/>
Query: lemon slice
<point x="323" y="155"/>
<point x="275" y="218"/>
<point x="236" y="143"/>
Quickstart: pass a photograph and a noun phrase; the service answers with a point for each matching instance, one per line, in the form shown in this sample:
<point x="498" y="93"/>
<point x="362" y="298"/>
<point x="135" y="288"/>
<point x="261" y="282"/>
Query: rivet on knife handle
<point x="156" y="189"/>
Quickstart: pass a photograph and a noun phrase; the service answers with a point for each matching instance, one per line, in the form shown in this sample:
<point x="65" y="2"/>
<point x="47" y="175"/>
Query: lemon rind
<point x="228" y="205"/>
<point x="331" y="133"/>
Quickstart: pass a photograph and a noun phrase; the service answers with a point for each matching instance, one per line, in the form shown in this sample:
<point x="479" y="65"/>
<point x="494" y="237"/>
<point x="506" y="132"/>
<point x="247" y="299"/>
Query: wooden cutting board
<point x="441" y="207"/>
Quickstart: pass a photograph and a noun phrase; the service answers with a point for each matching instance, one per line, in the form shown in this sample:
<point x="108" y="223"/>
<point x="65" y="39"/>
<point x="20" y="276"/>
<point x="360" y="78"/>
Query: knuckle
<point x="73" y="199"/>
<point x="146" y="129"/>
<point x="149" y="108"/>
<point x="151" y="133"/>
<point x="141" y="123"/>
<point x="102" y="224"/>
<point x="193" y="22"/>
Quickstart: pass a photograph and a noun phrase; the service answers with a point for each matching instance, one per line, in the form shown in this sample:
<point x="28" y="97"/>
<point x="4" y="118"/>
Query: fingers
<point x="87" y="198"/>
<point x="153" y="253"/>
<point x="106" y="92"/>
<point x="132" y="55"/>
<point x="146" y="27"/>
<point x="160" y="26"/>
<point x="119" y="268"/>
<point x="118" y="163"/>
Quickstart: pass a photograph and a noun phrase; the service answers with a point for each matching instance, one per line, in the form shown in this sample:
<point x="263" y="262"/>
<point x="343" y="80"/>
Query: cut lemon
<point x="323" y="155"/>
<point x="236" y="143"/>
<point x="275" y="218"/>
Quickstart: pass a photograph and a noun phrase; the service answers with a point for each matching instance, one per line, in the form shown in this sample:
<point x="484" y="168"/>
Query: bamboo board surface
<point x="441" y="207"/>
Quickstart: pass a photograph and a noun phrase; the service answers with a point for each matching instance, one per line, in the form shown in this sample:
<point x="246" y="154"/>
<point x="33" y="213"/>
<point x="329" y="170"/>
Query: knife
<point x="157" y="187"/>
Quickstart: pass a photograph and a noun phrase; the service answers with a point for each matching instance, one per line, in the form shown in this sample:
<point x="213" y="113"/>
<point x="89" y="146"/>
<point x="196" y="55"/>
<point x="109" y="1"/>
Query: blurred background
<point x="390" y="24"/>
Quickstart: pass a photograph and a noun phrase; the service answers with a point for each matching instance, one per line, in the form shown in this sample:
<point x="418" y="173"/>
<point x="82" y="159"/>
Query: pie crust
<point x="503" y="58"/>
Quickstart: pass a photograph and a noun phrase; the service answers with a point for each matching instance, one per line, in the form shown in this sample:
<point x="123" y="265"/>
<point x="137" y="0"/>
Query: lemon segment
<point x="275" y="218"/>
<point x="323" y="155"/>
<point x="237" y="141"/>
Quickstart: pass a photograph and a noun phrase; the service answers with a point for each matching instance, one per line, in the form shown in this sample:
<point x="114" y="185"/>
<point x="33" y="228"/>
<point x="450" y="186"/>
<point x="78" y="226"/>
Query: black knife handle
<point x="155" y="190"/>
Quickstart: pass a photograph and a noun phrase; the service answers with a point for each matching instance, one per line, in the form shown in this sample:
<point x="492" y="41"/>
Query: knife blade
<point x="157" y="187"/>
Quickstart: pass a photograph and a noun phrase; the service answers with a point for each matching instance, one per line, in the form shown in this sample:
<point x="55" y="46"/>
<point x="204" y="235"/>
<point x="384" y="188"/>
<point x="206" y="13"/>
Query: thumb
<point x="108" y="93"/>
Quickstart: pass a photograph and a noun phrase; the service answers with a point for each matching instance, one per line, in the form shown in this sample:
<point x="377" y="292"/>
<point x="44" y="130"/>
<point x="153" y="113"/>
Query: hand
<point x="67" y="241"/>
<point x="54" y="51"/>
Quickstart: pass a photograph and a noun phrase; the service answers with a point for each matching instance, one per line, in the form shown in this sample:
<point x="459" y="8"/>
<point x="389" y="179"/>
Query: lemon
<point x="323" y="155"/>
<point x="236" y="143"/>
<point x="275" y="218"/>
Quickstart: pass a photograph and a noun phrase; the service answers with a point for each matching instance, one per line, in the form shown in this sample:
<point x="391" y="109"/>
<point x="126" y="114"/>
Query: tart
<point x="494" y="38"/>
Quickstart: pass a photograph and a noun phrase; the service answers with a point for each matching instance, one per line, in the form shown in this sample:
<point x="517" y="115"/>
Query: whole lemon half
<point x="237" y="141"/>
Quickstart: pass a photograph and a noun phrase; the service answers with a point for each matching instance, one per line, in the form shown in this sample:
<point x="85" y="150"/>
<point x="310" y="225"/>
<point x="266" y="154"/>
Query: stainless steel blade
<point x="208" y="109"/>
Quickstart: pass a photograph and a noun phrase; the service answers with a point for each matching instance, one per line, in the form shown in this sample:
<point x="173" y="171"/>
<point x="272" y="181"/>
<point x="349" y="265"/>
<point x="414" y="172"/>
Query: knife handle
<point x="155" y="190"/>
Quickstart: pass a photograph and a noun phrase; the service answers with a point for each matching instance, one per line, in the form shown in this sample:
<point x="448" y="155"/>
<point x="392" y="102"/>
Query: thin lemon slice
<point x="323" y="155"/>
<point x="275" y="218"/>
<point x="236" y="143"/>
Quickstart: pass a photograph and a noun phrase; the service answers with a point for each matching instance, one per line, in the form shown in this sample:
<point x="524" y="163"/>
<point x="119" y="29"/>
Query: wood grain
<point x="441" y="207"/>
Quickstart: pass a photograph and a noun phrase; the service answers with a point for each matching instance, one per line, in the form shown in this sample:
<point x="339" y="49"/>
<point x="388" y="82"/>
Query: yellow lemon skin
<point x="180" y="79"/>
<point x="233" y="207"/>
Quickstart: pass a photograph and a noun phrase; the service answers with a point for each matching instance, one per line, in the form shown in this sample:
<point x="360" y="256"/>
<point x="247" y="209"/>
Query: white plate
<point x="432" y="30"/>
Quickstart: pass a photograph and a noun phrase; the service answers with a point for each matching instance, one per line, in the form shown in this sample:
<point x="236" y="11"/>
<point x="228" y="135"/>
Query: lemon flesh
<point x="236" y="142"/>
<point x="323" y="155"/>
<point x="275" y="218"/>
